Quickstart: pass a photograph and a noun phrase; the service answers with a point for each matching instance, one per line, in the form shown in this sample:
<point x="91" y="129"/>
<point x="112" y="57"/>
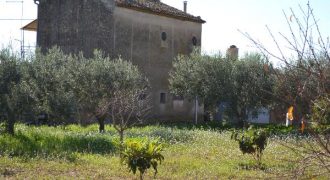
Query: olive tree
<point x="128" y="107"/>
<point x="130" y="101"/>
<point x="15" y="94"/>
<point x="243" y="83"/>
<point x="250" y="86"/>
<point x="109" y="88"/>
<point x="93" y="86"/>
<point x="201" y="76"/>
<point x="50" y="77"/>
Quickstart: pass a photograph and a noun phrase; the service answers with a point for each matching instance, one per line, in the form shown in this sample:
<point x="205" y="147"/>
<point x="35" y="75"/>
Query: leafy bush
<point x="253" y="141"/>
<point x="321" y="111"/>
<point x="141" y="155"/>
<point x="279" y="131"/>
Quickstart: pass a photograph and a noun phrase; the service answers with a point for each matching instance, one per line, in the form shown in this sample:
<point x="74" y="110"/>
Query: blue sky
<point x="224" y="18"/>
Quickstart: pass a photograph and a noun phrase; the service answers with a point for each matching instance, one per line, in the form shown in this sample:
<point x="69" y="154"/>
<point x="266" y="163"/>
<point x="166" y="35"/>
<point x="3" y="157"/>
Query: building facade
<point x="148" y="33"/>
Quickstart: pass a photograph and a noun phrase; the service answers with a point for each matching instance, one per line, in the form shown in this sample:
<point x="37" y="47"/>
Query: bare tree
<point x="302" y="82"/>
<point x="128" y="107"/>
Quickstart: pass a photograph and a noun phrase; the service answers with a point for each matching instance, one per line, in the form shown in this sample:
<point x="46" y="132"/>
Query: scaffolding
<point x="32" y="26"/>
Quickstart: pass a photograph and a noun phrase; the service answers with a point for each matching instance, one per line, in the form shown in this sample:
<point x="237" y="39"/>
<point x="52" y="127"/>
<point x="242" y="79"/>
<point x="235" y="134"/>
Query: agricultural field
<point x="75" y="152"/>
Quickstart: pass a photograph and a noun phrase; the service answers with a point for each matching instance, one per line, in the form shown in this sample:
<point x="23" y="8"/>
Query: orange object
<point x="290" y="113"/>
<point x="302" y="126"/>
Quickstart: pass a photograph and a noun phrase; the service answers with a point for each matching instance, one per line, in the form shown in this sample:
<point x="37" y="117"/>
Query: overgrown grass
<point x="63" y="141"/>
<point x="81" y="152"/>
<point x="51" y="142"/>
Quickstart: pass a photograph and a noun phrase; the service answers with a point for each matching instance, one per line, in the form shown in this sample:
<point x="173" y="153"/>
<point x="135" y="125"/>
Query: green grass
<point x="74" y="152"/>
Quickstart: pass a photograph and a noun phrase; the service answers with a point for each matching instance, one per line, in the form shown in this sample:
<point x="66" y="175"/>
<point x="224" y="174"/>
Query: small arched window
<point x="164" y="36"/>
<point x="194" y="41"/>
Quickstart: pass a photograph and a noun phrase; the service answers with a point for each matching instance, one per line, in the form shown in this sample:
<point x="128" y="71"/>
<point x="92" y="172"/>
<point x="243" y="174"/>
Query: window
<point x="194" y="41"/>
<point x="164" y="36"/>
<point x="162" y="98"/>
<point x="163" y="40"/>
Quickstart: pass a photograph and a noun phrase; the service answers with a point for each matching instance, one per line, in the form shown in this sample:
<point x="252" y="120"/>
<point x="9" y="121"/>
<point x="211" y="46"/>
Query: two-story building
<point x="148" y="33"/>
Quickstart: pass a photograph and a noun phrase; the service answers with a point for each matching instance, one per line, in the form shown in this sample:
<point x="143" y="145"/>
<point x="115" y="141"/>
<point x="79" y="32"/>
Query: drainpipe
<point x="196" y="110"/>
<point x="185" y="6"/>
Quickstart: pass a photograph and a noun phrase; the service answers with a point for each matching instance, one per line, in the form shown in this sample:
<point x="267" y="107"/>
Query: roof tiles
<point x="159" y="8"/>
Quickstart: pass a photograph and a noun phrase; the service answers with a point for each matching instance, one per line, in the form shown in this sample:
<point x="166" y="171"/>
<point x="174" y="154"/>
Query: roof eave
<point x="32" y="26"/>
<point x="147" y="10"/>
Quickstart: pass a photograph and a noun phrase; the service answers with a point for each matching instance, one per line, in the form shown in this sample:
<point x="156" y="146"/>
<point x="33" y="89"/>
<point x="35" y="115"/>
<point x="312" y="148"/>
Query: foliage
<point x="15" y="94"/>
<point x="201" y="153"/>
<point x="130" y="102"/>
<point x="252" y="85"/>
<point x="321" y="111"/>
<point x="101" y="81"/>
<point x="296" y="87"/>
<point x="279" y="130"/>
<point x="186" y="77"/>
<point x="303" y="81"/>
<point x="65" y="86"/>
<point x="252" y="141"/>
<point x="245" y="84"/>
<point x="50" y="78"/>
<point x="142" y="155"/>
<point x="128" y="108"/>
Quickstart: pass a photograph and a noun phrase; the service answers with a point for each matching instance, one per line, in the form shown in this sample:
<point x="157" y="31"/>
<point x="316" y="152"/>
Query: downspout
<point x="196" y="110"/>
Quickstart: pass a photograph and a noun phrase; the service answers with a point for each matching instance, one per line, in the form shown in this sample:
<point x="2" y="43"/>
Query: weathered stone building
<point x="147" y="32"/>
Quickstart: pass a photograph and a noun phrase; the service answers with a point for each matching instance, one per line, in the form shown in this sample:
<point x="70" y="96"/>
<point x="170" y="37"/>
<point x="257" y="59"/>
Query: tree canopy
<point x="243" y="83"/>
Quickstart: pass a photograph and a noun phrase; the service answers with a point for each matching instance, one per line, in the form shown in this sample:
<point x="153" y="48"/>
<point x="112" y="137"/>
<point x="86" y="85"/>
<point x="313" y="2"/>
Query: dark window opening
<point x="164" y="36"/>
<point x="194" y="41"/>
<point x="162" y="98"/>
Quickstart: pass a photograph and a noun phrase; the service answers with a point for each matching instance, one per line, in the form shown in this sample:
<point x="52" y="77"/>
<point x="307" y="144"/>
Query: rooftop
<point x="149" y="6"/>
<point x="159" y="8"/>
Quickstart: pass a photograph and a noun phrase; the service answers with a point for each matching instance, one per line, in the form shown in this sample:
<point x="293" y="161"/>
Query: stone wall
<point x="138" y="37"/>
<point x="79" y="25"/>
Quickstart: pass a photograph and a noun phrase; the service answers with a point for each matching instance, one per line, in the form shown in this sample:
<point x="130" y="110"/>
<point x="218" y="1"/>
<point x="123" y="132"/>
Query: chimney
<point x="185" y="6"/>
<point x="232" y="52"/>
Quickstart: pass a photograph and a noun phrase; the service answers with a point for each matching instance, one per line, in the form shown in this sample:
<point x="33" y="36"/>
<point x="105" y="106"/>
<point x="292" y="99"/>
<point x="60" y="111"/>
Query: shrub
<point x="141" y="155"/>
<point x="253" y="141"/>
<point x="321" y="111"/>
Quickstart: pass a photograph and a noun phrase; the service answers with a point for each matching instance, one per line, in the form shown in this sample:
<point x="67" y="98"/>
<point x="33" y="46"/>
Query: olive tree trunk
<point x="101" y="121"/>
<point x="10" y="125"/>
